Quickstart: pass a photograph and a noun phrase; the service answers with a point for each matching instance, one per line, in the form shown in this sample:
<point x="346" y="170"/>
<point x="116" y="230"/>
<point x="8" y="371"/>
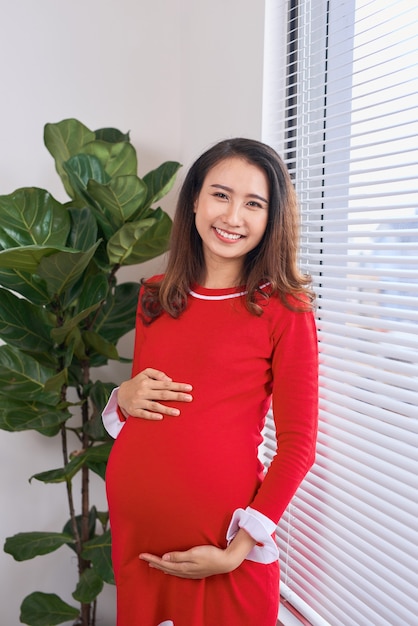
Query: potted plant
<point x="62" y="313"/>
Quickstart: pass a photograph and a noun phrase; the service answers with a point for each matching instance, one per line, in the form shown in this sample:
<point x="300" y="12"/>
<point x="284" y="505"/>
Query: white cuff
<point x="110" y="415"/>
<point x="260" y="528"/>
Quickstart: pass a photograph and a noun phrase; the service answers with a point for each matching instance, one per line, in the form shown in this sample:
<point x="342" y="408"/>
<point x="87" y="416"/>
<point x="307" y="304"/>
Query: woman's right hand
<point x="141" y="396"/>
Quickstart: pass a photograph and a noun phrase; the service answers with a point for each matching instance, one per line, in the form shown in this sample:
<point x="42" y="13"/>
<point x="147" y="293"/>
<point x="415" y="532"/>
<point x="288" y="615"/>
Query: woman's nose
<point x="233" y="214"/>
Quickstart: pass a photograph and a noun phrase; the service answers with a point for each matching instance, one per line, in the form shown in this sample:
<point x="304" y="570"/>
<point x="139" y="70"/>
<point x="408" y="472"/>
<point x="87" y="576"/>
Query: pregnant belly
<point x="167" y="491"/>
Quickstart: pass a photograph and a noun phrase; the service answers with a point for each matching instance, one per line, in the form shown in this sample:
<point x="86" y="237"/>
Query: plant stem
<point x="88" y="616"/>
<point x="70" y="499"/>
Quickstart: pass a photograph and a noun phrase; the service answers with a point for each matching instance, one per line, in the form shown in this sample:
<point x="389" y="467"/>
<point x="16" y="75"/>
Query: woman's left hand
<point x="203" y="561"/>
<point x="198" y="562"/>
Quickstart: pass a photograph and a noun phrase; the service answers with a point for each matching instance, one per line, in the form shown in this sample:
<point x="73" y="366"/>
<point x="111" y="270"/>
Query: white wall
<point x="179" y="75"/>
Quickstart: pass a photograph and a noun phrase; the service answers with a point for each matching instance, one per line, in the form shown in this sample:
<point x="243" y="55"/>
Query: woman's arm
<point x="295" y="411"/>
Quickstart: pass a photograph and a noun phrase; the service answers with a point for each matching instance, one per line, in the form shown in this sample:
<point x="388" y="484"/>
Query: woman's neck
<point x="222" y="277"/>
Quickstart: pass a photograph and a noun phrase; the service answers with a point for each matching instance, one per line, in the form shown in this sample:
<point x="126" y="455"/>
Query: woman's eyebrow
<point x="230" y="190"/>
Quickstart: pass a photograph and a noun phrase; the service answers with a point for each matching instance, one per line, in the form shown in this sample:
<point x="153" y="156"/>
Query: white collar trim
<point x="226" y="296"/>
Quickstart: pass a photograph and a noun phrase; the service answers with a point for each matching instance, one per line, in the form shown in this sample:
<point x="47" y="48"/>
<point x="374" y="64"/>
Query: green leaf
<point x="117" y="159"/>
<point x="82" y="168"/>
<point x="98" y="551"/>
<point x="46" y="609"/>
<point x="118" y="315"/>
<point x="61" y="474"/>
<point x="23" y="324"/>
<point x="24" y="378"/>
<point x="98" y="468"/>
<point x="30" y="286"/>
<point x="99" y="395"/>
<point x="112" y="135"/>
<point x="17" y="415"/>
<point x="95" y="454"/>
<point x="24" y="546"/>
<point x="97" y="432"/>
<point x="27" y="259"/>
<point x="88" y="587"/>
<point x="64" y="140"/>
<point x="100" y="453"/>
<point x="55" y="383"/>
<point x="103" y="517"/>
<point x="31" y="216"/>
<point x="96" y="343"/>
<point x="119" y="200"/>
<point x="83" y="234"/>
<point x="137" y="242"/>
<point x="94" y="291"/>
<point x="75" y="346"/>
<point x="61" y="271"/>
<point x="160" y="181"/>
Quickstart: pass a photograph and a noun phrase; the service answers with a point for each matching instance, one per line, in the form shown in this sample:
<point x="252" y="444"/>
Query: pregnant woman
<point x="226" y="330"/>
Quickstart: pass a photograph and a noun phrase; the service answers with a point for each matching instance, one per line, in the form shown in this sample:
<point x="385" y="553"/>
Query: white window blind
<point x="341" y="106"/>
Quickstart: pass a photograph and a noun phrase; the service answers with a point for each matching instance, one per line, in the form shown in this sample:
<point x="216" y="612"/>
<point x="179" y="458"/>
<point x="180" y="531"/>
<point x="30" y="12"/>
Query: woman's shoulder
<point x="277" y="301"/>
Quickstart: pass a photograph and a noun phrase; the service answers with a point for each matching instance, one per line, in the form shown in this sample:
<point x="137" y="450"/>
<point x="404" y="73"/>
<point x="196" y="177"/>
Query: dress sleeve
<point x="260" y="528"/>
<point x="112" y="417"/>
<point x="295" y="410"/>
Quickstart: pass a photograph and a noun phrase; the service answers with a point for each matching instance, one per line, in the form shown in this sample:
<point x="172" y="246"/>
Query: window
<point x="341" y="94"/>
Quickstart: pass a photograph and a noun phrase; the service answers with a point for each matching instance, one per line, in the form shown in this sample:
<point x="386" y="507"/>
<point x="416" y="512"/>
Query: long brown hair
<point x="273" y="260"/>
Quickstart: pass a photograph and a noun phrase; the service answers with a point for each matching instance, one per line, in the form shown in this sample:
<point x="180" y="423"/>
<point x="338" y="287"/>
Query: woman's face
<point x="231" y="211"/>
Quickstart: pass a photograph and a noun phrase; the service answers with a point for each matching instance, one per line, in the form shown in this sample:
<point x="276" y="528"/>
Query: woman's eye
<point x="220" y="194"/>
<point x="253" y="204"/>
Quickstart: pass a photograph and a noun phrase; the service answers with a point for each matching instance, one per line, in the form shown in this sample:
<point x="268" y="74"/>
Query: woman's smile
<point x="230" y="237"/>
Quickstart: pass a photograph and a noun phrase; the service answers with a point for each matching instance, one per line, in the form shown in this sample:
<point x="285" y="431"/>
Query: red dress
<point x="174" y="484"/>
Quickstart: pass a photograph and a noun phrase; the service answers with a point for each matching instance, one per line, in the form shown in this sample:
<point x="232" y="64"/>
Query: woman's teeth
<point x="223" y="233"/>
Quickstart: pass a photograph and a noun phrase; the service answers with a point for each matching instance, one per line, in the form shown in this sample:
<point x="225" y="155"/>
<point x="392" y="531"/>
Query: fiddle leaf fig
<point x="23" y="377"/>
<point x="160" y="181"/>
<point x="80" y="169"/>
<point x="117" y="159"/>
<point x="63" y="140"/>
<point x="95" y="342"/>
<point x="17" y="415"/>
<point x="119" y="199"/>
<point x="117" y="316"/>
<point x="46" y="609"/>
<point x="89" y="586"/>
<point x="62" y="313"/>
<point x="23" y="324"/>
<point x="62" y="269"/>
<point x="24" y="546"/>
<point x="137" y="242"/>
<point x="26" y="284"/>
<point x="31" y="216"/>
<point x="112" y="135"/>
<point x="61" y="474"/>
<point x="97" y="551"/>
<point x="27" y="259"/>
<point x="83" y="234"/>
